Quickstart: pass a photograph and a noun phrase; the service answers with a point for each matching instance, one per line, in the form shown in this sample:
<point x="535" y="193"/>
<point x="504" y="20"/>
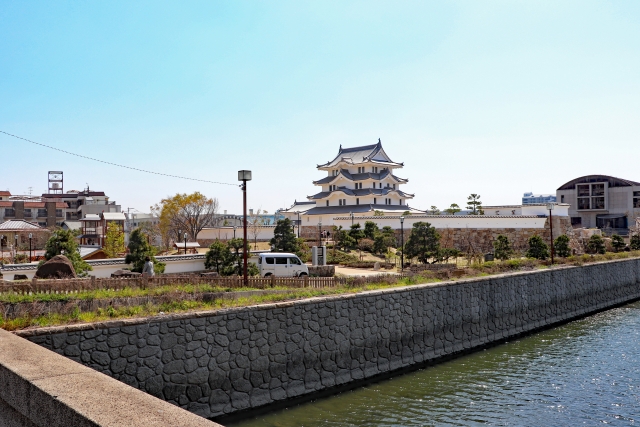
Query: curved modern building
<point x="602" y="201"/>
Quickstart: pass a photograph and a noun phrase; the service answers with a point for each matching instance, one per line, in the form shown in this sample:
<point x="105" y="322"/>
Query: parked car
<point x="281" y="264"/>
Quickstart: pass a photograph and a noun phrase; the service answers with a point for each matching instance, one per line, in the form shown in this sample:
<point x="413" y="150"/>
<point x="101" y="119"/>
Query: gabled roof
<point x="362" y="154"/>
<point x="299" y="207"/>
<point x="5" y="193"/>
<point x="360" y="177"/>
<point x="361" y="192"/>
<point x="328" y="210"/>
<point x="20" y="225"/>
<point x="587" y="179"/>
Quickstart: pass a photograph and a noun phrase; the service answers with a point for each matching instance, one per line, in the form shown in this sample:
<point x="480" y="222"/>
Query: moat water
<point x="586" y="372"/>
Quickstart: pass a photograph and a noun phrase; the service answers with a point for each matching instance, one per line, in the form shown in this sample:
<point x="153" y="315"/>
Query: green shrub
<point x="634" y="242"/>
<point x="561" y="246"/>
<point x="595" y="245"/>
<point x="617" y="242"/>
<point x="502" y="248"/>
<point x="538" y="249"/>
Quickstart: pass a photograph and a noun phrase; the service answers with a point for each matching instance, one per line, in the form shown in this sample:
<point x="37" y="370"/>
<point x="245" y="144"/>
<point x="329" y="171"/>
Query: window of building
<point x="597" y="189"/>
<point x="9" y="212"/>
<point x="374" y="169"/>
<point x="394" y="186"/>
<point x="27" y="213"/>
<point x="562" y="199"/>
<point x="597" y="203"/>
<point x="583" y="190"/>
<point x="583" y="203"/>
<point x="59" y="213"/>
<point x="380" y="185"/>
<point x="42" y="213"/>
<point x="400" y="201"/>
<point x="374" y="201"/>
<point x="327" y="203"/>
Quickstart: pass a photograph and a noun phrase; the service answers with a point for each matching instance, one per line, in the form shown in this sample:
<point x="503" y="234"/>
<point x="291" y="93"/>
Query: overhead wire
<point x="116" y="164"/>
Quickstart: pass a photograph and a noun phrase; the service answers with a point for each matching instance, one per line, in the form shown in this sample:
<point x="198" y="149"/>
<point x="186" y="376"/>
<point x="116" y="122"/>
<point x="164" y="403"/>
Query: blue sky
<point x="488" y="97"/>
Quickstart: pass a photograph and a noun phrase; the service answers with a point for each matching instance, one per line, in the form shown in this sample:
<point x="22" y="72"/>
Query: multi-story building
<point x="359" y="182"/>
<point x="601" y="201"/>
<point x="535" y="199"/>
<point x="45" y="213"/>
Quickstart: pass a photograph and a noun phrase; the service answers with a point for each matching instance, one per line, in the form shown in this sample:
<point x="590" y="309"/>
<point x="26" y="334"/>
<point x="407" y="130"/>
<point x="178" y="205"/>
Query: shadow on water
<point x="583" y="372"/>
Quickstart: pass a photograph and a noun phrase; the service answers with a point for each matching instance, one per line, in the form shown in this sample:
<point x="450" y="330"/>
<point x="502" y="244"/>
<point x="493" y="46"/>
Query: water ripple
<point x="584" y="373"/>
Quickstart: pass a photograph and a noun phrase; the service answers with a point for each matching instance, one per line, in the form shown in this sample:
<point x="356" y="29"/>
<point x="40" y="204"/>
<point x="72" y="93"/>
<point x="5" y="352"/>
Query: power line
<point x="115" y="164"/>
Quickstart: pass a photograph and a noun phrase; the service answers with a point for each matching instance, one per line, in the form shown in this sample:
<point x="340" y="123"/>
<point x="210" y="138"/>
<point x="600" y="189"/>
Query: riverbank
<point x="217" y="363"/>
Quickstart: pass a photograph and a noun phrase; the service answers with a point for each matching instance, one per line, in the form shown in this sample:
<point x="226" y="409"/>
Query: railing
<point x="93" y="283"/>
<point x="35" y="286"/>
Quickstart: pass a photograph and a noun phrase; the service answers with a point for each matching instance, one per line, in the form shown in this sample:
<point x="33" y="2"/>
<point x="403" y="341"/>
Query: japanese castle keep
<point x="359" y="181"/>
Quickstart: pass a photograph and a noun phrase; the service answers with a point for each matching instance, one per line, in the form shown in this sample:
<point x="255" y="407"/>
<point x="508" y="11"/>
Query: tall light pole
<point x="30" y="237"/>
<point x="402" y="245"/>
<point x="15" y="248"/>
<point x="298" y="224"/>
<point x="1" y="249"/>
<point x="244" y="176"/>
<point x="351" y="214"/>
<point x="185" y="243"/>
<point x="550" y="208"/>
<point x="319" y="234"/>
<point x="234" y="231"/>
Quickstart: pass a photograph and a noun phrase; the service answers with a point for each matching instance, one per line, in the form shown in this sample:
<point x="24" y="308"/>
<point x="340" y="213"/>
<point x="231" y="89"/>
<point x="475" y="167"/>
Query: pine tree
<point x="561" y="246"/>
<point x="284" y="239"/>
<point x="595" y="245"/>
<point x="617" y="242"/>
<point x="538" y="249"/>
<point x="453" y="209"/>
<point x="63" y="242"/>
<point x="502" y="248"/>
<point x="139" y="250"/>
<point x="356" y="233"/>
<point x="371" y="230"/>
<point x="423" y="243"/>
<point x="634" y="242"/>
<point x="474" y="204"/>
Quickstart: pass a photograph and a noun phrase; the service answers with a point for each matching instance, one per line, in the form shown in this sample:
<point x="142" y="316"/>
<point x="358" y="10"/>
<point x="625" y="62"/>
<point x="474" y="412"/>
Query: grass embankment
<point x="184" y="298"/>
<point x="181" y="299"/>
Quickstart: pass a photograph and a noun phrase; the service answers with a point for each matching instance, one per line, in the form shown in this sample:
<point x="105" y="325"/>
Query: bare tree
<point x="255" y="221"/>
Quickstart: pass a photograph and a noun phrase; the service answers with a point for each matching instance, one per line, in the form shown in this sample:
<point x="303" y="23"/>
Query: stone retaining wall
<point x="217" y="363"/>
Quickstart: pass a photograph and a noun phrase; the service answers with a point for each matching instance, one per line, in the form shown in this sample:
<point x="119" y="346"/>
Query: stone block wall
<point x="217" y="363"/>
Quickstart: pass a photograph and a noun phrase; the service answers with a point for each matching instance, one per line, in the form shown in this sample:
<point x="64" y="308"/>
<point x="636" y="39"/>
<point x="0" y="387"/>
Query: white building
<point x="359" y="181"/>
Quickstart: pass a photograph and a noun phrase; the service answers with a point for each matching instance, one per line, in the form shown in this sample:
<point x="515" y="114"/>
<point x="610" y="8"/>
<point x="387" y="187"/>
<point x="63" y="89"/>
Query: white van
<point x="281" y="264"/>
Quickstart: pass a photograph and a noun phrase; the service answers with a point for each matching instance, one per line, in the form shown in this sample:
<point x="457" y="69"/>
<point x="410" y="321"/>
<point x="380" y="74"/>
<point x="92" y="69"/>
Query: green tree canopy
<point x="284" y="239"/>
<point x="474" y="204"/>
<point x="453" y="209"/>
<point x="561" y="246"/>
<point x="423" y="243"/>
<point x="634" y="242"/>
<point x="113" y="240"/>
<point x="617" y="242"/>
<point x="63" y="242"/>
<point x="139" y="250"/>
<point x="538" y="249"/>
<point x="595" y="245"/>
<point x="342" y="238"/>
<point x="226" y="258"/>
<point x="370" y="230"/>
<point x="356" y="233"/>
<point x="502" y="248"/>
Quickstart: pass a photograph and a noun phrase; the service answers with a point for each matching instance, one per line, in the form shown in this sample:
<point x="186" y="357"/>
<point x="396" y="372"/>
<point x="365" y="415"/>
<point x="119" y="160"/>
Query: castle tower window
<point x="374" y="201"/>
<point x="357" y="201"/>
<point x="327" y="203"/>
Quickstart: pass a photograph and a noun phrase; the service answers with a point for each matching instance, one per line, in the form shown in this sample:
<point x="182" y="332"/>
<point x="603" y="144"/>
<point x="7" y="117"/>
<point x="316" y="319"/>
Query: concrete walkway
<point x="346" y="271"/>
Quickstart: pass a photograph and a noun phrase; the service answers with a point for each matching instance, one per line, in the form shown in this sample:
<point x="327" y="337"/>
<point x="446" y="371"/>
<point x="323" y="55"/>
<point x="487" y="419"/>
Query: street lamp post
<point x="319" y="234"/>
<point x="15" y="248"/>
<point x="234" y="231"/>
<point x="298" y="225"/>
<point x="1" y="249"/>
<point x="244" y="176"/>
<point x="550" y="208"/>
<point x="351" y="215"/>
<point x="30" y="237"/>
<point x="185" y="243"/>
<point x="402" y="245"/>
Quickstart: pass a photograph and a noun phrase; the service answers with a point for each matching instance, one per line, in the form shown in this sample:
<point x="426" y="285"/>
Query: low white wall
<point x="225" y="233"/>
<point x="449" y="221"/>
<point x="105" y="267"/>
